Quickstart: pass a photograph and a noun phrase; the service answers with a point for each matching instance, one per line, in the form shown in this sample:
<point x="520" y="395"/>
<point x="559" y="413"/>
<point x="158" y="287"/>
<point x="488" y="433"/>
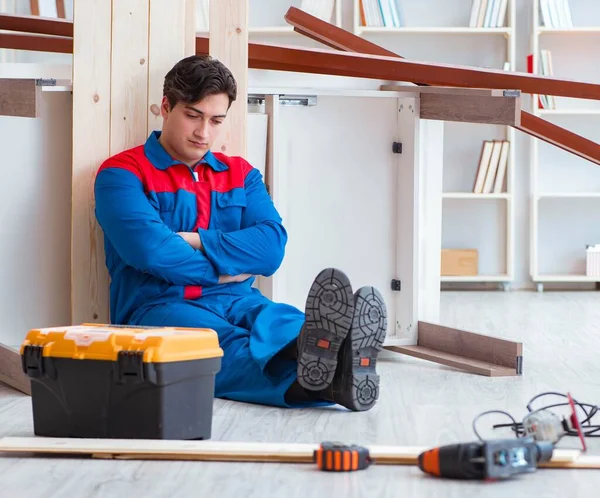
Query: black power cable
<point x="587" y="428"/>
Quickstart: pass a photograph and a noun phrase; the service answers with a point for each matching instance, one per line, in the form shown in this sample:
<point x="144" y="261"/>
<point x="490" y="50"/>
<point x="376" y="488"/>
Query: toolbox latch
<point x="32" y="361"/>
<point x="130" y="367"/>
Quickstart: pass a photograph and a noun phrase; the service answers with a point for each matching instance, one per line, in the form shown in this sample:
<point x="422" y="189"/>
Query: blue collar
<point x="161" y="159"/>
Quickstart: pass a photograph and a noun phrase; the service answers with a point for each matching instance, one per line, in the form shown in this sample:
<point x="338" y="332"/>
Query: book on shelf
<point x="493" y="162"/>
<point x="323" y="9"/>
<point x="488" y="14"/>
<point x="381" y="13"/>
<point x="544" y="101"/>
<point x="548" y="101"/>
<point x="556" y="13"/>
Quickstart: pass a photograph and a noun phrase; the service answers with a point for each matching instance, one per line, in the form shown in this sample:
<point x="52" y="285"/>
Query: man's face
<point x="190" y="130"/>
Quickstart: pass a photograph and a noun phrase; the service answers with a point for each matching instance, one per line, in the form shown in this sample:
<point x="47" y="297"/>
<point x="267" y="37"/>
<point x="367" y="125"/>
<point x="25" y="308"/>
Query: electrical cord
<point x="514" y="424"/>
<point x="588" y="429"/>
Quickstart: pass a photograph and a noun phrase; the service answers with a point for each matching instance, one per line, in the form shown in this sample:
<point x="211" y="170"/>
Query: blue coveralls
<point x="143" y="197"/>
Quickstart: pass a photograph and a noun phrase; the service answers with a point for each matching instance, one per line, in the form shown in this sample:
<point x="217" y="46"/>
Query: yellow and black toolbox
<point x="106" y="381"/>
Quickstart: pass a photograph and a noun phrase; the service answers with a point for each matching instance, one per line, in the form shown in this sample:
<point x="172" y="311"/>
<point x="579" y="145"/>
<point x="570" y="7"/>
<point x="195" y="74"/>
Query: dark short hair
<point x="196" y="77"/>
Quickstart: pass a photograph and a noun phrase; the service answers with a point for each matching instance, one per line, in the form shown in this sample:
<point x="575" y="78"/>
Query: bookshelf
<point x="565" y="189"/>
<point x="460" y="35"/>
<point x="266" y="17"/>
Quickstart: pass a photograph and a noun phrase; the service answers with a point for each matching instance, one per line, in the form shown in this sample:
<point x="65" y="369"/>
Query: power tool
<point x="489" y="460"/>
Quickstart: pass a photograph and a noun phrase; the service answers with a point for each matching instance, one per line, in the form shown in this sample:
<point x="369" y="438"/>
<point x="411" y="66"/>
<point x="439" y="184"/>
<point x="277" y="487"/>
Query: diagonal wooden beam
<point x="319" y="61"/>
<point x="35" y="24"/>
<point x="38" y="43"/>
<point x="363" y="64"/>
<point x="463" y="76"/>
<point x="341" y="39"/>
<point x="555" y="135"/>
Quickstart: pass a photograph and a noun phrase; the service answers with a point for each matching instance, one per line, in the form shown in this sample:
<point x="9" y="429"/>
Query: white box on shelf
<point x="593" y="261"/>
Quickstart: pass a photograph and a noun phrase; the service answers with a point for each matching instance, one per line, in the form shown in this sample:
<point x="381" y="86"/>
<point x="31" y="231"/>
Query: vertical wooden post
<point x="92" y="26"/>
<point x="407" y="212"/>
<point x="122" y="51"/>
<point x="270" y="287"/>
<point x="431" y="162"/>
<point x="228" y="35"/>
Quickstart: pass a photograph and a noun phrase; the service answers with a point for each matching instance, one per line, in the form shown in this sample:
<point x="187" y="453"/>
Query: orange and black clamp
<point x="494" y="459"/>
<point x="337" y="457"/>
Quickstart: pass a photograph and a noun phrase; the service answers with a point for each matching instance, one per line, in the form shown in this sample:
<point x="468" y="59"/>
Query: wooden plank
<point x="360" y="63"/>
<point x="19" y="97"/>
<point x="34" y="7"/>
<point x="38" y="43"/>
<point x="406" y="305"/>
<point x="471" y="109"/>
<point x="11" y="372"/>
<point x="34" y="24"/>
<point x="229" y="44"/>
<point x="190" y="16"/>
<point x="91" y="111"/>
<point x="431" y="167"/>
<point x="171" y="38"/>
<point x="455" y="361"/>
<point x="555" y="135"/>
<point x="334" y="36"/>
<point x="234" y="451"/>
<point x="129" y="74"/>
<point x="330" y="35"/>
<point x="319" y="61"/>
<point x="269" y="286"/>
<point x="449" y="90"/>
<point x="60" y="9"/>
<point x="471" y="345"/>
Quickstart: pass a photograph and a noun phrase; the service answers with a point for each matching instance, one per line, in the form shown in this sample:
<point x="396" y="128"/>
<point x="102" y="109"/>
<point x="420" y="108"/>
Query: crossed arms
<point x="206" y="258"/>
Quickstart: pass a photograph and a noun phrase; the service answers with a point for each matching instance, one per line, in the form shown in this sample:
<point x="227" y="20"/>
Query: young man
<point x="187" y="230"/>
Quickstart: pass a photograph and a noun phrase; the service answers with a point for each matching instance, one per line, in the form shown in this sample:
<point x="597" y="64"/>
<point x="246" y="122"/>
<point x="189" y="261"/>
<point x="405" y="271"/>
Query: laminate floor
<point x="421" y="404"/>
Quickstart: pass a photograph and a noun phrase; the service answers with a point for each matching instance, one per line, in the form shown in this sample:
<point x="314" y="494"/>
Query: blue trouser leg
<point x="251" y="330"/>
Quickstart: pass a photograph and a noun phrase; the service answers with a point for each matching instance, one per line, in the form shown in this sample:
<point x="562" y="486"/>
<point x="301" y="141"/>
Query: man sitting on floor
<point x="187" y="230"/>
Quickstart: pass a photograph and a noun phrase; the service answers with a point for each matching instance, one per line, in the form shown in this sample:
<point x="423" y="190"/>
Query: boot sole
<point x="329" y="313"/>
<point x="358" y="386"/>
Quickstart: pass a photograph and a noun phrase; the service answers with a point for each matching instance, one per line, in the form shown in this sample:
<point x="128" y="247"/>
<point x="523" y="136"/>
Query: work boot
<point x="329" y="311"/>
<point x="356" y="382"/>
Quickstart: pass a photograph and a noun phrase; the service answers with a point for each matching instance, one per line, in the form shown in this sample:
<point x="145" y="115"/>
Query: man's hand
<point x="192" y="238"/>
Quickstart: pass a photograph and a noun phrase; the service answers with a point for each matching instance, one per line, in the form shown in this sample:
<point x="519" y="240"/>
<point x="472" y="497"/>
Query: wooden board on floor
<point x="229" y="44"/>
<point x="11" y="372"/>
<point x="473" y="366"/>
<point x="475" y="353"/>
<point x="19" y="97"/>
<point x="232" y="451"/>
